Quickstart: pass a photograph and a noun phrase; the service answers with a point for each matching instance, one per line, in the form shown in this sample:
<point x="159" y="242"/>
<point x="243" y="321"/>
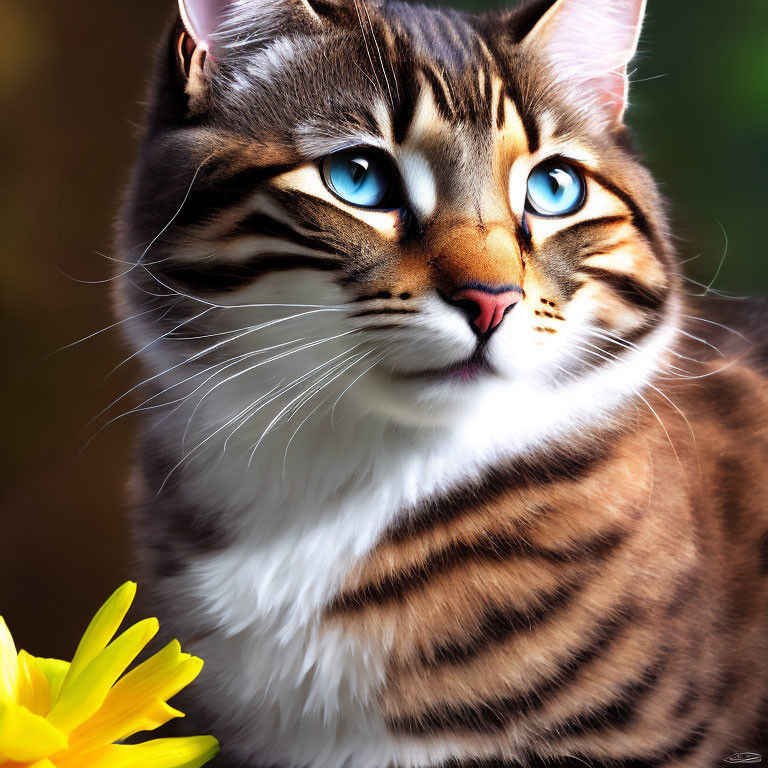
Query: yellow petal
<point x="55" y="670"/>
<point x="9" y="668"/>
<point x="82" y="698"/>
<point x="101" y="630"/>
<point x="33" y="689"/>
<point x="137" y="701"/>
<point x="185" y="752"/>
<point x="45" y="763"/>
<point x="25" y="736"/>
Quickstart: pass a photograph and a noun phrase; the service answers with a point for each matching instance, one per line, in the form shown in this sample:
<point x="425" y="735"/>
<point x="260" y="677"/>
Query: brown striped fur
<point x="498" y="609"/>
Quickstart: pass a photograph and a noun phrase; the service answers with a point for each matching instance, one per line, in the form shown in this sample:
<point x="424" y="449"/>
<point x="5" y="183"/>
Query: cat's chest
<point x="278" y="658"/>
<point x="276" y="655"/>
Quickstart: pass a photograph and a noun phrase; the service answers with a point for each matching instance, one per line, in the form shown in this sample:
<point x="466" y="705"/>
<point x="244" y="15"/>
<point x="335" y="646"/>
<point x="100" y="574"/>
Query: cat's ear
<point x="201" y="19"/>
<point x="589" y="44"/>
<point x="197" y="43"/>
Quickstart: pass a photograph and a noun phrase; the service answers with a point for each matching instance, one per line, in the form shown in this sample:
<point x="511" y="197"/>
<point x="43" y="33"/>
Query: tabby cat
<point x="441" y="466"/>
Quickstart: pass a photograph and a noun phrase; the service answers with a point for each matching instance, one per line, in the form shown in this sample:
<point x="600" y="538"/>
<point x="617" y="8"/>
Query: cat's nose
<point x="486" y="305"/>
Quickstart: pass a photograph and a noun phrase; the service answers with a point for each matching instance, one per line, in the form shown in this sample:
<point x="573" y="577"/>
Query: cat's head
<point x="421" y="211"/>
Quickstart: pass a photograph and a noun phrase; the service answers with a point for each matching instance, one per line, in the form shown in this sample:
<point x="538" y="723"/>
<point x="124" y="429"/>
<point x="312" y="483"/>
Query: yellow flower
<point x="55" y="714"/>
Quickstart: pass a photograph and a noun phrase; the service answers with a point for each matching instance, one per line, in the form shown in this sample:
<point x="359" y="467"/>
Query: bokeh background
<point x="72" y="75"/>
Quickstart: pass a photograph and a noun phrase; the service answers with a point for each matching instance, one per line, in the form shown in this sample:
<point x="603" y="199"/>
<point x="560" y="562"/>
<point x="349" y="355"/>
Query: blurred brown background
<point x="72" y="74"/>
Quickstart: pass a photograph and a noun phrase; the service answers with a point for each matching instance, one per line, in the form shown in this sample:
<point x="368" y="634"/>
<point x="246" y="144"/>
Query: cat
<point x="440" y="465"/>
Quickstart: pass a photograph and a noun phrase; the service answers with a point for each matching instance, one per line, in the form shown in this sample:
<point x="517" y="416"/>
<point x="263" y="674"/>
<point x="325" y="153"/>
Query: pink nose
<point x="487" y="305"/>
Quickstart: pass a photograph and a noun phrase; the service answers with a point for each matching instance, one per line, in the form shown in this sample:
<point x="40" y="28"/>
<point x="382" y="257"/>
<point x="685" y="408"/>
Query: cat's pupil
<point x="558" y="181"/>
<point x="358" y="170"/>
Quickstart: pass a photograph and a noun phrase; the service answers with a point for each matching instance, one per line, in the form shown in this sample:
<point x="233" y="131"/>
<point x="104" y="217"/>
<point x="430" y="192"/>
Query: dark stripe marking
<point x="498" y="624"/>
<point x="685" y="591"/>
<point x="600" y="221"/>
<point x="546" y="468"/>
<point x="211" y="193"/>
<point x="642" y="330"/>
<point x="531" y="127"/>
<point x="408" y="87"/>
<point x="684" y="705"/>
<point x="493" y="547"/>
<point x="495" y="714"/>
<point x="262" y="224"/>
<point x="487" y="96"/>
<point x="337" y="13"/>
<point x="667" y="758"/>
<point x="628" y="288"/>
<point x="358" y="273"/>
<point x="221" y="277"/>
<point x="439" y="94"/>
<point x="373" y="296"/>
<point x="620" y="712"/>
<point x="721" y="694"/>
<point x="481" y="762"/>
<point x="500" y="116"/>
<point x="385" y="311"/>
<point x="639" y="219"/>
<point x="763" y="553"/>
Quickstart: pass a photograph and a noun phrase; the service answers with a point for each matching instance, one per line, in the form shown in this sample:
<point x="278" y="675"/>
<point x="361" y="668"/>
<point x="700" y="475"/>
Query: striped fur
<point x="396" y="543"/>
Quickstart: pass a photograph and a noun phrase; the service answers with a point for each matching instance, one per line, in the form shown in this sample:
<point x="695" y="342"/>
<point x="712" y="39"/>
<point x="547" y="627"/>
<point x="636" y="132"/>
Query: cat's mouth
<point x="470" y="369"/>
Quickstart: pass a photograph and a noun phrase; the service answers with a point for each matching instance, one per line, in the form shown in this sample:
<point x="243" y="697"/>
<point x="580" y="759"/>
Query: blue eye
<point x="358" y="176"/>
<point x="555" y="189"/>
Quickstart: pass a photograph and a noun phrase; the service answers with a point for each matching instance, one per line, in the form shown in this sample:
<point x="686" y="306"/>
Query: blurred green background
<point x="72" y="75"/>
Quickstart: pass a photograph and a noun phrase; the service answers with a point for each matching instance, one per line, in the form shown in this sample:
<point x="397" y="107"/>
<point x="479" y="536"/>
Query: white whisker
<point x="602" y="334"/>
<point x="92" y="335"/>
<point x="287" y="408"/>
<point x="143" y="406"/>
<point x="139" y="261"/>
<point x="674" y="405"/>
<point x="214" y="305"/>
<point x="159" y="338"/>
<point x="189" y="360"/>
<point x="703" y="341"/>
<point x="373" y="365"/>
<point x="708" y="288"/>
<point x="357" y="359"/>
<point x="246" y="413"/>
<point x="254" y="367"/>
<point x="691" y="377"/>
<point x="234" y="418"/>
<point x="719" y="325"/>
<point x="304" y="402"/>
<point x="658" y="418"/>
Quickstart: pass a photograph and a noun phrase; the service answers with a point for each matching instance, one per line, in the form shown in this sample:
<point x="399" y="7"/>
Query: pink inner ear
<point x="201" y="18"/>
<point x="611" y="93"/>
<point x="589" y="42"/>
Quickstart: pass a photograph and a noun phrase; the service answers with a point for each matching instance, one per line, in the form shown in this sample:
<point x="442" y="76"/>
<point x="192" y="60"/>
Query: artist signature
<point x="744" y="758"/>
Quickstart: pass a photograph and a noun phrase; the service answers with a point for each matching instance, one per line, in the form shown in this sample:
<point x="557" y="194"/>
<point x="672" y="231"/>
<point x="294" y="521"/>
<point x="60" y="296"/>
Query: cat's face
<point x="421" y="210"/>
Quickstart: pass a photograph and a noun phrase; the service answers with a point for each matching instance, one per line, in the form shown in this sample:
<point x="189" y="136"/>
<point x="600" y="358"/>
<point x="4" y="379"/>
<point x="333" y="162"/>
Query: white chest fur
<point x="302" y="691"/>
